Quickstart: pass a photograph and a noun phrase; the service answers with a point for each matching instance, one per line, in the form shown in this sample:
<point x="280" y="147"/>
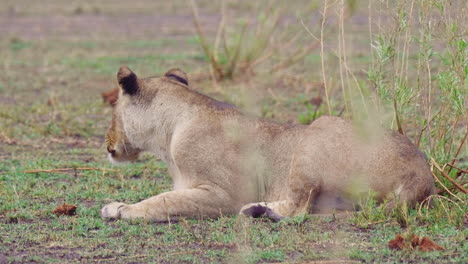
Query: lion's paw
<point x="257" y="210"/>
<point x="254" y="210"/>
<point x="112" y="210"/>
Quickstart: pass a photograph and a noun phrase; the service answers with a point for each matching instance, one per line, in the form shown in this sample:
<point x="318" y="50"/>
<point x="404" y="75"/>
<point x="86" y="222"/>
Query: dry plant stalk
<point x="243" y="58"/>
<point x="203" y="42"/>
<point x="418" y="141"/>
<point x="459" y="149"/>
<point x="69" y="169"/>
<point x="342" y="55"/>
<point x="324" y="78"/>
<point x="443" y="186"/>
<point x="431" y="197"/>
<point x="397" y="117"/>
<point x="448" y="177"/>
<point x="455" y="167"/>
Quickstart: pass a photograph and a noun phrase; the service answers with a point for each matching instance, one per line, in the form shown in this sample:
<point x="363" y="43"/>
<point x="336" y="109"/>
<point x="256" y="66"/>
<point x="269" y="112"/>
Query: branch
<point x="448" y="177"/>
<point x="69" y="169"/>
<point x="460" y="169"/>
<point x="459" y="149"/>
<point x="205" y="46"/>
<point x="424" y="128"/>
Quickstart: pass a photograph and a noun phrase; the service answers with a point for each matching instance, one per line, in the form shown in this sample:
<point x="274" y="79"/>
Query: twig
<point x="460" y="169"/>
<point x="237" y="52"/>
<point x="448" y="177"/>
<point x="333" y="261"/>
<point x="452" y="136"/>
<point x="299" y="55"/>
<point x="443" y="186"/>
<point x="16" y="193"/>
<point x="69" y="169"/>
<point x="324" y="15"/>
<point x="123" y="257"/>
<point x="430" y="197"/>
<point x="220" y="32"/>
<point x="424" y="128"/>
<point x="341" y="53"/>
<point x="459" y="149"/>
<point x="453" y="187"/>
<point x="348" y="71"/>
<point x="206" y="48"/>
<point x="308" y="31"/>
<point x="397" y="118"/>
<point x="185" y="252"/>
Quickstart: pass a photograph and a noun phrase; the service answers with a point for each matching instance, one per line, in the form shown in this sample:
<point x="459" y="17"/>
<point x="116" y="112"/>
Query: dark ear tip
<point x="124" y="72"/>
<point x="176" y="71"/>
<point x="178" y="75"/>
<point x="127" y="80"/>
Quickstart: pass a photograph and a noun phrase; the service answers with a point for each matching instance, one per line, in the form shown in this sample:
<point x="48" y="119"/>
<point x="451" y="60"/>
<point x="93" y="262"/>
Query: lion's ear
<point x="128" y="80"/>
<point x="177" y="75"/>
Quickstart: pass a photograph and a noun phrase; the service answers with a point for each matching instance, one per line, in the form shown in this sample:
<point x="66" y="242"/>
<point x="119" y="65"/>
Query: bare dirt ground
<point x="86" y="26"/>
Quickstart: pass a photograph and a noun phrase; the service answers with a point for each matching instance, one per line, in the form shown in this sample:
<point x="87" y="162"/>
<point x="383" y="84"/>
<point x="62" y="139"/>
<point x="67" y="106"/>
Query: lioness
<point x="224" y="162"/>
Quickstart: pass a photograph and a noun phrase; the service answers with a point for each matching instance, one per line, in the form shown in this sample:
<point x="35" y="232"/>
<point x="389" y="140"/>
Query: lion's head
<point x="131" y="128"/>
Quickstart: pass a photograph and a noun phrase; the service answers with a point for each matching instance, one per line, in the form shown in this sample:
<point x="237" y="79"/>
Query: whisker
<point x="125" y="147"/>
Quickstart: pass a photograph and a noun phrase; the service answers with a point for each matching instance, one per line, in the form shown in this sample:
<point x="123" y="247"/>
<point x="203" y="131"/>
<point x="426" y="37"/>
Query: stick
<point x="205" y="46"/>
<point x="333" y="261"/>
<point x="446" y="189"/>
<point x="441" y="184"/>
<point x="436" y="196"/>
<point x="397" y="118"/>
<point x="185" y="252"/>
<point x="122" y="257"/>
<point x="324" y="15"/>
<point x="69" y="169"/>
<point x="460" y="169"/>
<point x="448" y="177"/>
<point x="300" y="54"/>
<point x="459" y="149"/>
<point x="424" y="128"/>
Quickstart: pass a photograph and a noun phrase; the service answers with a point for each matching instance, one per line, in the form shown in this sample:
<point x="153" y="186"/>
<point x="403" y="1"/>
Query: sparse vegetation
<point x="400" y="64"/>
<point x="259" y="40"/>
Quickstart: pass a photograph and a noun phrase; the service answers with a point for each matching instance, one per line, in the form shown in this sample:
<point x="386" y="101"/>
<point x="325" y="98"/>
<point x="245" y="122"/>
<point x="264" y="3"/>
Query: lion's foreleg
<point x="193" y="203"/>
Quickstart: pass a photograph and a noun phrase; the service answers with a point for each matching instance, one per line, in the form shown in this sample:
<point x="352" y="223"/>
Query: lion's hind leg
<point x="300" y="201"/>
<point x="304" y="186"/>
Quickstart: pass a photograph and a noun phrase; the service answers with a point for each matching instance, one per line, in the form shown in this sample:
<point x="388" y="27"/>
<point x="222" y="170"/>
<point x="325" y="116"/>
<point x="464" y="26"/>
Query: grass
<point x="51" y="116"/>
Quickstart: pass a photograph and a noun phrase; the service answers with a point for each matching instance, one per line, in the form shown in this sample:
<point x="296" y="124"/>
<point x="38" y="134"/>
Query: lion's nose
<point x="111" y="151"/>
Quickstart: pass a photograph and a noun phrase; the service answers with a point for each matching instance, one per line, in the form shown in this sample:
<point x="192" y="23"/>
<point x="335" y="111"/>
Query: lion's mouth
<point x="112" y="152"/>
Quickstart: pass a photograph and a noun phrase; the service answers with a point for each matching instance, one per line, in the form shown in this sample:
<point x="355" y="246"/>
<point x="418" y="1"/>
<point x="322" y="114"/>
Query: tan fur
<point x="222" y="161"/>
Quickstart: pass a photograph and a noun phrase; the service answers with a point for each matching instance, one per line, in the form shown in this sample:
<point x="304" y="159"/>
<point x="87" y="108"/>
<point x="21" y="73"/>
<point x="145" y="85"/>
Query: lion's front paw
<point x="111" y="211"/>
